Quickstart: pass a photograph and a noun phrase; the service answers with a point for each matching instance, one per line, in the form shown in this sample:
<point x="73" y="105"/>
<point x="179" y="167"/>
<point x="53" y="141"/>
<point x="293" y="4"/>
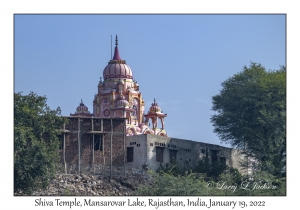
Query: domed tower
<point x="119" y="96"/>
<point x="82" y="111"/>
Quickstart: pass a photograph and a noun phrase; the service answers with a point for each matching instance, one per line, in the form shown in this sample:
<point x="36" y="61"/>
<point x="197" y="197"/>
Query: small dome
<point x="82" y="108"/>
<point x="122" y="102"/>
<point x="154" y="107"/>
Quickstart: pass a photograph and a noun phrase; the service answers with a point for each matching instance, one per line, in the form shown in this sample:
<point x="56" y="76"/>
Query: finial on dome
<point x="116" y="54"/>
<point x="116" y="40"/>
<point x="154" y="100"/>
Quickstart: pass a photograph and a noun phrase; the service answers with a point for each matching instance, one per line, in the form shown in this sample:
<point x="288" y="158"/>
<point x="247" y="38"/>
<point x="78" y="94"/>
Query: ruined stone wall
<point x="81" y="152"/>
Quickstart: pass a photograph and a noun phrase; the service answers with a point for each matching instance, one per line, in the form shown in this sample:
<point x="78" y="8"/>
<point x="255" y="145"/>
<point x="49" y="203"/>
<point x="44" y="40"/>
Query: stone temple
<point x="117" y="139"/>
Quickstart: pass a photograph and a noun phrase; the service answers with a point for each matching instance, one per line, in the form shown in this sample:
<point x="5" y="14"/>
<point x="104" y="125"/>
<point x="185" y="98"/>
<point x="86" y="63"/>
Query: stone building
<point x="100" y="146"/>
<point x="117" y="140"/>
<point x="87" y="142"/>
<point x="154" y="151"/>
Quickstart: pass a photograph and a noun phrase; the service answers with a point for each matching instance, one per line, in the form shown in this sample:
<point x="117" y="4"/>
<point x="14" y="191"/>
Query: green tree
<point x="36" y="143"/>
<point x="250" y="113"/>
<point x="166" y="184"/>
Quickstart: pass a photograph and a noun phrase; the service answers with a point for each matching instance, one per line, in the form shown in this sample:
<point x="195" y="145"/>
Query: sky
<point x="180" y="60"/>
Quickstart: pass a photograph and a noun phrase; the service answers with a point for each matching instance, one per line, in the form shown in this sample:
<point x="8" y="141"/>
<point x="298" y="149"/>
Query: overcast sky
<point x="180" y="60"/>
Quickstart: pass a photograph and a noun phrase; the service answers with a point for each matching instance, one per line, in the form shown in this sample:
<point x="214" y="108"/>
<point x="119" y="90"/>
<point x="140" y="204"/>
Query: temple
<point x="117" y="139"/>
<point x="119" y="96"/>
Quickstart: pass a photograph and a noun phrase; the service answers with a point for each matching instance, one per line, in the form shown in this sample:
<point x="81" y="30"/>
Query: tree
<point x="36" y="143"/>
<point x="251" y="115"/>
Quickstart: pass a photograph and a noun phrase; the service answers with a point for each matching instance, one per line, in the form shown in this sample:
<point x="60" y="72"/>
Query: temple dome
<point x="122" y="102"/>
<point x="82" y="108"/>
<point x="117" y="68"/>
<point x="154" y="107"/>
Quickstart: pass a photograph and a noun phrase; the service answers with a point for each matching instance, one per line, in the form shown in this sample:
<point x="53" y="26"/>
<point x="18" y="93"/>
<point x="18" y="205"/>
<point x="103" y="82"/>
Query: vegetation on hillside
<point x="229" y="182"/>
<point x="36" y="144"/>
<point x="250" y="114"/>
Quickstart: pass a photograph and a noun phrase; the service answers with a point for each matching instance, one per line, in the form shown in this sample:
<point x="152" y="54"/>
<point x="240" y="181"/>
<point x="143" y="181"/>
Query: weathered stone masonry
<point x="100" y="147"/>
<point x="87" y="144"/>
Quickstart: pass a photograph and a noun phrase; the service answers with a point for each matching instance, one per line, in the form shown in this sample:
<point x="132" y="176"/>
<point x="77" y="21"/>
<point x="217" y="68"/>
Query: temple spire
<point x="116" y="54"/>
<point x="116" y="40"/>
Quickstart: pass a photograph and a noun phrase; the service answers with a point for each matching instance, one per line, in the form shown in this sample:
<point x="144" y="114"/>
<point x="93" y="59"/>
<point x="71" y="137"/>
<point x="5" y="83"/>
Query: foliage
<point x="36" y="144"/>
<point x="210" y="169"/>
<point x="167" y="184"/>
<point x="251" y="115"/>
<point x="175" y="169"/>
<point x="229" y="183"/>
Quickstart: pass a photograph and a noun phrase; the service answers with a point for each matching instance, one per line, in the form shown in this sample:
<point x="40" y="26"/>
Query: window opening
<point x="173" y="155"/>
<point x="97" y="142"/>
<point x="223" y="160"/>
<point x="159" y="154"/>
<point x="129" y="154"/>
<point x="214" y="156"/>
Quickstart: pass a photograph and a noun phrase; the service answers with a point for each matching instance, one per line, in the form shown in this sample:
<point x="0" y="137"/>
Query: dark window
<point x="214" y="156"/>
<point x="159" y="154"/>
<point x="97" y="125"/>
<point x="173" y="154"/>
<point x="223" y="160"/>
<point x="151" y="144"/>
<point x="129" y="154"/>
<point x="97" y="142"/>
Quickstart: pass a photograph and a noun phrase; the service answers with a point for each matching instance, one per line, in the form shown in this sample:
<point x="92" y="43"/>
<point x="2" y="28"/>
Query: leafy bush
<point x="229" y="183"/>
<point x="36" y="143"/>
